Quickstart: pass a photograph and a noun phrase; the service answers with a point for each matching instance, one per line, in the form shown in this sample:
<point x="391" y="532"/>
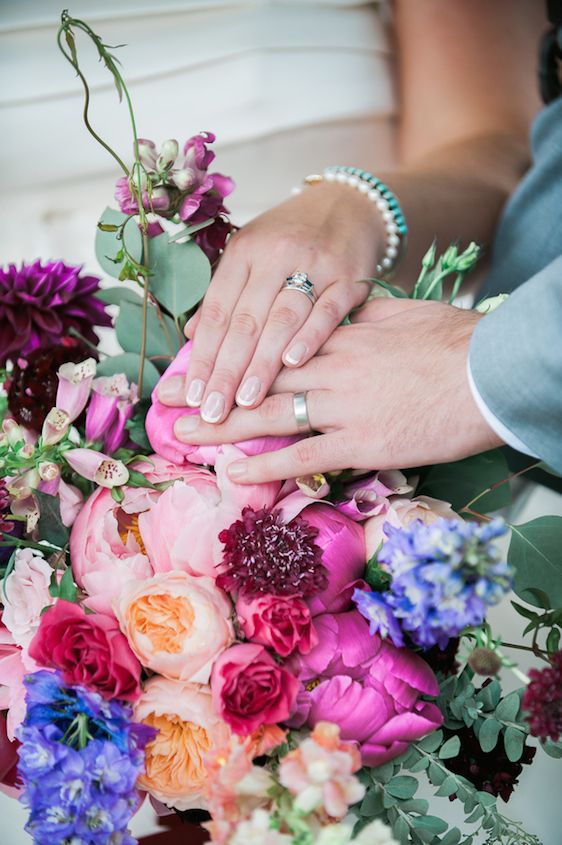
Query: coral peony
<point x="400" y="513"/>
<point x="153" y="531"/>
<point x="39" y="304"/>
<point x="283" y="623"/>
<point x="188" y="730"/>
<point x="176" y="624"/>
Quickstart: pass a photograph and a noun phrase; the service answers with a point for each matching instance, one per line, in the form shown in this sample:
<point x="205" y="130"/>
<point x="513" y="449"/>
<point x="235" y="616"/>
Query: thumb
<point x="380" y="309"/>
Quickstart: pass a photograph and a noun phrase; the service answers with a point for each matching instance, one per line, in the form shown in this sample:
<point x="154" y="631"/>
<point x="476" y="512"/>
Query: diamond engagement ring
<point x="300" y="281"/>
<point x="300" y="411"/>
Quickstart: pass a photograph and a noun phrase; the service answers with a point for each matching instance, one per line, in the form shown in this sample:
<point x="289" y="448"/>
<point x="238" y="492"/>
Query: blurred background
<point x="288" y="87"/>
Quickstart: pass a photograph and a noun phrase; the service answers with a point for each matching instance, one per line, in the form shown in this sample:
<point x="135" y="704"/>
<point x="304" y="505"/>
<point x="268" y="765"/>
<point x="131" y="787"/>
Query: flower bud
<point x="314" y="486"/>
<point x="75" y="382"/>
<point x="467" y="259"/>
<point x="14" y="432"/>
<point x="48" y="471"/>
<point x="168" y="155"/>
<point x="97" y="467"/>
<point x="55" y="426"/>
<point x="449" y="257"/>
<point x="491" y="303"/>
<point x="484" y="661"/>
<point x="27" y="451"/>
<point x="147" y="153"/>
<point x="184" y="179"/>
<point x="429" y="258"/>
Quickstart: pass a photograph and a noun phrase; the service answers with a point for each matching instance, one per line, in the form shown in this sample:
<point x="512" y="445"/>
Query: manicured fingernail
<point x="249" y="391"/>
<point x="187" y="329"/>
<point x="213" y="409"/>
<point x="186" y="425"/>
<point x="295" y="354"/>
<point x="195" y="392"/>
<point x="237" y="470"/>
<point x="170" y="389"/>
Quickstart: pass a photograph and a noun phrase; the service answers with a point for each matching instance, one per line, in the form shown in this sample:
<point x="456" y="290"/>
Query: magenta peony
<point x="39" y="304"/>
<point x="161" y="419"/>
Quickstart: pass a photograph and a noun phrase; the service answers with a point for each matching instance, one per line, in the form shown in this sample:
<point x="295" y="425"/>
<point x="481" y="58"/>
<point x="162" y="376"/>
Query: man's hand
<point x="389" y="391"/>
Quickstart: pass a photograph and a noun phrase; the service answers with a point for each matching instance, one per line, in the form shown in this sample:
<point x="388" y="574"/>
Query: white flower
<point x="26" y="593"/>
<point x="257" y="831"/>
<point x="375" y="833"/>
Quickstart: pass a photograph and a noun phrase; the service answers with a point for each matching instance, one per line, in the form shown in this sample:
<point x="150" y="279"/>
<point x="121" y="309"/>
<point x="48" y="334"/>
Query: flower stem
<point x="497" y="484"/>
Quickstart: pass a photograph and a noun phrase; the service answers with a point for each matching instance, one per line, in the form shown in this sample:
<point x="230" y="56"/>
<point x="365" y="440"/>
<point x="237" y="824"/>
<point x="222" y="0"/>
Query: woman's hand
<point x="248" y="326"/>
<point x="389" y="391"/>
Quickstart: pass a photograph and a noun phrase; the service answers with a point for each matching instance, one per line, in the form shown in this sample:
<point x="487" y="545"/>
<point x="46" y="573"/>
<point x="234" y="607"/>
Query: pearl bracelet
<point x="385" y="201"/>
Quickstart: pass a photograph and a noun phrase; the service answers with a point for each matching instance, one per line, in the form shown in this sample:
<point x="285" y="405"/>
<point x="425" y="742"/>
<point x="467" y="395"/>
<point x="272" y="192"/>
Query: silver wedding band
<point x="300" y="281"/>
<point x="300" y="411"/>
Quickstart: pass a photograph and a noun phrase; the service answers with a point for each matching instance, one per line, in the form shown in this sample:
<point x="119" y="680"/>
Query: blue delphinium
<point x="79" y="761"/>
<point x="444" y="577"/>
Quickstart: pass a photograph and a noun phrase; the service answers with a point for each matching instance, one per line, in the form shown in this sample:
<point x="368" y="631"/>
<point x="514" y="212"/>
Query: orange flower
<point x="188" y="730"/>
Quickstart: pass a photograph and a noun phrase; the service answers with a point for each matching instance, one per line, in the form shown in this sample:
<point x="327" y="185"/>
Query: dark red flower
<point x="488" y="771"/>
<point x="39" y="304"/>
<point x="262" y="554"/>
<point x="33" y="384"/>
<point x="8" y="756"/>
<point x="543" y="700"/>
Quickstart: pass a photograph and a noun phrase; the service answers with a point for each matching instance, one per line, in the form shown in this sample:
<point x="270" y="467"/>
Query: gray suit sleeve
<point x="516" y="363"/>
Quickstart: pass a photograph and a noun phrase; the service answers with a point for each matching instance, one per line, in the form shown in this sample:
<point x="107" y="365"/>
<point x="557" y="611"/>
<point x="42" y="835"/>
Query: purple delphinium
<point x="80" y="758"/>
<point x="40" y="303"/>
<point x="444" y="577"/>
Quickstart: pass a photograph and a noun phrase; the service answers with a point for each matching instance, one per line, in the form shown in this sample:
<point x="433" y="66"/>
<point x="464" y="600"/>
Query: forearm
<point x="456" y="192"/>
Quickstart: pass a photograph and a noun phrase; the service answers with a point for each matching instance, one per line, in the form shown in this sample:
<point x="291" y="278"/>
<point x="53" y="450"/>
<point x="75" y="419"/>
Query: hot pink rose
<point x="161" y="419"/>
<point x="153" y="531"/>
<point x="250" y="689"/>
<point x="88" y="649"/>
<point x="282" y="623"/>
<point x="400" y="513"/>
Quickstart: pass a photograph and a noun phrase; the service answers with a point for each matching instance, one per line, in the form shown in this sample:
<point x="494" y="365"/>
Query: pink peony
<point x="176" y="624"/>
<point x="368" y="687"/>
<point x="26" y="593"/>
<point x="282" y="623"/>
<point x="158" y="531"/>
<point x="12" y="673"/>
<point x="161" y="419"/>
<point x="250" y="689"/>
<point x="401" y="513"/>
<point x="88" y="649"/>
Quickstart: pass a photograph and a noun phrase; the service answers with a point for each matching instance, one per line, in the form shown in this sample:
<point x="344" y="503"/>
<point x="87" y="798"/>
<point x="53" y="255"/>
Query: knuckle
<point x="214" y="315"/>
<point x="331" y="307"/>
<point x="245" y="324"/>
<point x="273" y="408"/>
<point x="306" y="451"/>
<point x="223" y="379"/>
<point x="285" y="317"/>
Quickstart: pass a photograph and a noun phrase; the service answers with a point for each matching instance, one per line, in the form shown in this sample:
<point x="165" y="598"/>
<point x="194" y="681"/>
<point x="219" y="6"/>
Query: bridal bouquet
<point x="291" y="658"/>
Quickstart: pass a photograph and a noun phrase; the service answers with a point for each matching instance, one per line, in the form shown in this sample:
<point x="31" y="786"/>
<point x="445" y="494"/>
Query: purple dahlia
<point x="39" y="304"/>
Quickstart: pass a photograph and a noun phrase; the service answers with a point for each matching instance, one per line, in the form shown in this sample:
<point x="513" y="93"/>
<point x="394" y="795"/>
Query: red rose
<point x="8" y="756"/>
<point x="250" y="689"/>
<point x="282" y="623"/>
<point x="88" y="649"/>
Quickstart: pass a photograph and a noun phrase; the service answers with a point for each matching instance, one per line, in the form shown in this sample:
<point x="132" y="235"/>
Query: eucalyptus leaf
<point x="514" y="742"/>
<point x="436" y="774"/>
<point x="431" y="742"/>
<point x="128" y="363"/>
<point x="553" y="749"/>
<point x="162" y="338"/>
<point x="402" y="786"/>
<point x="383" y="773"/>
<point x="108" y="246"/>
<point x="118" y="294"/>
<point x="508" y="708"/>
<point x="476" y="814"/>
<point x="488" y="735"/>
<point x="461" y="481"/>
<point x="372" y="804"/>
<point x="415" y="805"/>
<point x="448" y="787"/>
<point x="453" y="837"/>
<point x="401" y="830"/>
<point x="490" y="695"/>
<point x="51" y="527"/>
<point x="553" y="641"/>
<point x="450" y="748"/>
<point x="180" y="274"/>
<point x="431" y="823"/>
<point x="535" y="552"/>
<point x="526" y="612"/>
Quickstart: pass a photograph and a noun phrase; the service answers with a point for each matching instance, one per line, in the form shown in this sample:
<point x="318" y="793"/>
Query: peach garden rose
<point x="176" y="624"/>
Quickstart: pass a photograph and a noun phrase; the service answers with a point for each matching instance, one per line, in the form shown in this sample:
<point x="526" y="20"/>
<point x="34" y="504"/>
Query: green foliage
<point x="429" y="284"/>
<point x="65" y="588"/>
<point x="136" y="425"/>
<point x="180" y="274"/>
<point x="375" y="576"/>
<point x="459" y="482"/>
<point x="536" y="553"/>
<point x="118" y="244"/>
<point x="117" y="295"/>
<point x="128" y="363"/>
<point x="51" y="527"/>
<point x="162" y="339"/>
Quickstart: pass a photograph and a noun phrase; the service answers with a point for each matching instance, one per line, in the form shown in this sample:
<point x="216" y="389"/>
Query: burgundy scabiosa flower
<point x="40" y="303"/>
<point x="543" y="700"/>
<point x="262" y="554"/>
<point x="33" y="383"/>
<point x="488" y="771"/>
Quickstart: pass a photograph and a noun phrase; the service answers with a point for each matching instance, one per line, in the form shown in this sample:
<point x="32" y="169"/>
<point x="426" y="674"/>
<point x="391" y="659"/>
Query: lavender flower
<point x="444" y="577"/>
<point x="39" y="304"/>
<point x="80" y="758"/>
